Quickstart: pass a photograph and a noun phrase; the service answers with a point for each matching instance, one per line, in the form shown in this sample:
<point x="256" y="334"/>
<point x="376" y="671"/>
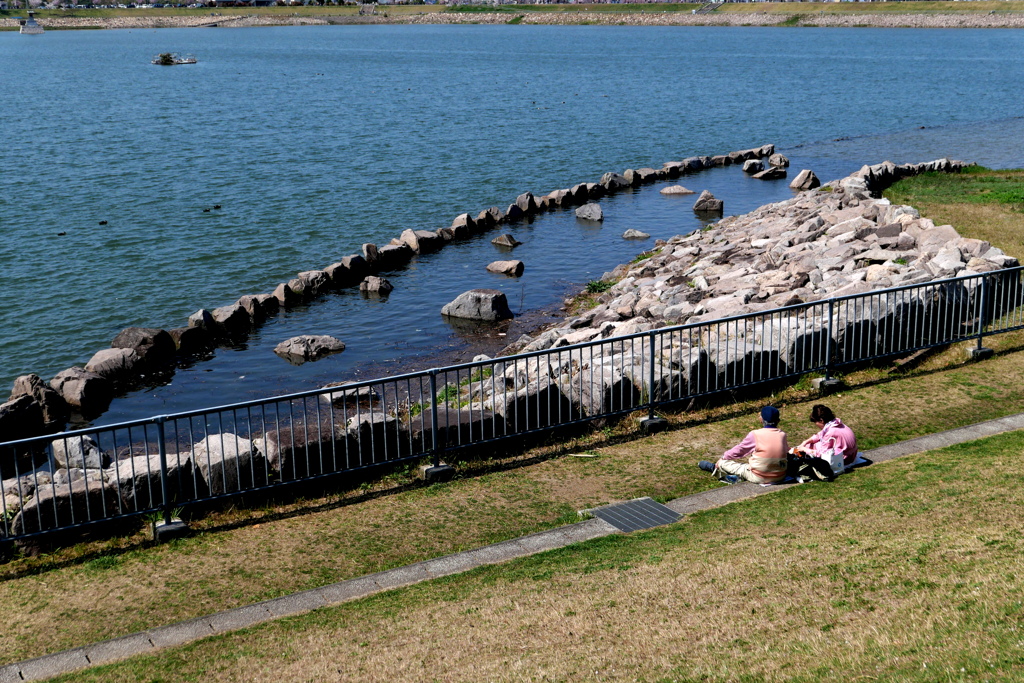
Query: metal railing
<point x="150" y="467"/>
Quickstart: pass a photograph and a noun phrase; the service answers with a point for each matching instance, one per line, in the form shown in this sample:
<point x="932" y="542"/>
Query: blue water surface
<point x="317" y="139"/>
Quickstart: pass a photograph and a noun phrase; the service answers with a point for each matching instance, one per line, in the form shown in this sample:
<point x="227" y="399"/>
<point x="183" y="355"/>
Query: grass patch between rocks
<point x="981" y="203"/>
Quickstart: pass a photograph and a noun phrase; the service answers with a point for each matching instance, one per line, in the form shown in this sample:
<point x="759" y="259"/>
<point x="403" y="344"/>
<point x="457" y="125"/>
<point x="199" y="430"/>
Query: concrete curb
<point x="183" y="632"/>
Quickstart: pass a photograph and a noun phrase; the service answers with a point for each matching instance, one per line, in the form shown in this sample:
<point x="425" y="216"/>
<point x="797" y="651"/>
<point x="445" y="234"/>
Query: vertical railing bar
<point x="435" y="455"/>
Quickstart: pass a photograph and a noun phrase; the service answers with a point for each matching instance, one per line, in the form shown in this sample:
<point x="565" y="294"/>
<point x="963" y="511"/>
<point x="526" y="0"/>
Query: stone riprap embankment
<point x="819" y="244"/>
<point x="140" y="355"/>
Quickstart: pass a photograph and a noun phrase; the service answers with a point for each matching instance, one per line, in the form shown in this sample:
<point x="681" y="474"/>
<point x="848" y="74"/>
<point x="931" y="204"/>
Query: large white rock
<point x="309" y="347"/>
<point x="590" y="212"/>
<point x="79" y="451"/>
<point x="228" y="463"/>
<point x="479" y="304"/>
<point x="675" y="190"/>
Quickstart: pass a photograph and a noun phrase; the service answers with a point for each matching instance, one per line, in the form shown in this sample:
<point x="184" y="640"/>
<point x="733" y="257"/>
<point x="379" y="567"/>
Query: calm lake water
<point x="317" y="139"/>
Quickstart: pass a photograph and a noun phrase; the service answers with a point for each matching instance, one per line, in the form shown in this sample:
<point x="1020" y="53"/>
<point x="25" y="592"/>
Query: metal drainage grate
<point x="634" y="515"/>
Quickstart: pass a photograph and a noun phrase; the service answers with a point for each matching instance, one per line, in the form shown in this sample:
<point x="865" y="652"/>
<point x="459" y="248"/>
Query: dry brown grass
<point x="980" y="203"/>
<point x="997" y="224"/>
<point x="929" y="7"/>
<point x="89" y="593"/>
<point x="905" y="571"/>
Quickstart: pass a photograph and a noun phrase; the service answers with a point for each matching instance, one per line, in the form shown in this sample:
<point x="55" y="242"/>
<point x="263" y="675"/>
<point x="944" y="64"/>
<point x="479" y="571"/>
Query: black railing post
<point x="435" y="453"/>
<point x="650" y="378"/>
<point x="981" y="312"/>
<point x="162" y="449"/>
<point x="828" y="340"/>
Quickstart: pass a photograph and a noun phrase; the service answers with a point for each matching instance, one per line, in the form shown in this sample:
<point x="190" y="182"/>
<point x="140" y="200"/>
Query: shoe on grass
<point x="706" y="465"/>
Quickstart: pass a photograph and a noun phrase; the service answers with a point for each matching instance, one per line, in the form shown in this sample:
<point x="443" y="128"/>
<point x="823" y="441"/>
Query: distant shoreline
<point x="638" y="17"/>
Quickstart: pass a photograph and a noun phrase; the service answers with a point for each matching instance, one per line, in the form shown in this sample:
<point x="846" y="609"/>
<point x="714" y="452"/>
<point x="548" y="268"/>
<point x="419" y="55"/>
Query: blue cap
<point x="770" y="415"/>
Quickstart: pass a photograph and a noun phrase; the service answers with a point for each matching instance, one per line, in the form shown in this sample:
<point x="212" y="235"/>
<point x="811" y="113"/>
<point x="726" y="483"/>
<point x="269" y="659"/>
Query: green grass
<point x="904" y="571"/>
<point x="975" y="185"/>
<point x="981" y="203"/>
<point x="598" y="286"/>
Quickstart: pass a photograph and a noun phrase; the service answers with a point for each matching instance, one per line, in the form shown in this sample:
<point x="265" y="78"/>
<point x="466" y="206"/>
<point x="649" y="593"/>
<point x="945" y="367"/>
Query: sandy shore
<point x="1001" y="20"/>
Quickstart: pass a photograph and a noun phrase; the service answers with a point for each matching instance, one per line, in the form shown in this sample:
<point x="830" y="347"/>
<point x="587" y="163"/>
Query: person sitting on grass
<point x="834" y="437"/>
<point x="767" y="449"/>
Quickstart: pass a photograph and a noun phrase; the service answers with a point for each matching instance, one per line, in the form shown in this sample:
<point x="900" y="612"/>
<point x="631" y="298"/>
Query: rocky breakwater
<point x="840" y="240"/>
<point x="138" y="356"/>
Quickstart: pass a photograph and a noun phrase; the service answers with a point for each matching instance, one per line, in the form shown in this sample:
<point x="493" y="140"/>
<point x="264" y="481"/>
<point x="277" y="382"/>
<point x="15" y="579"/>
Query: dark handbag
<point x="808" y="467"/>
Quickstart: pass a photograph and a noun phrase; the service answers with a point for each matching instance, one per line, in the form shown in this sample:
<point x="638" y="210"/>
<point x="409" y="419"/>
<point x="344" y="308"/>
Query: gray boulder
<point x="422" y="241"/>
<point x="315" y="282"/>
<point x="485" y="220"/>
<point x="771" y="173"/>
<point x="58" y="506"/>
<point x="88" y="392"/>
<point x="232" y="320"/>
<point x="536" y="405"/>
<point x="633" y="234"/>
<point x="259" y="306"/>
<point x="590" y="212"/>
<point x="675" y="190"/>
<point x="513" y="213"/>
<point x="706" y="203"/>
<point x="753" y="166"/>
<point x="190" y="341"/>
<point x="307" y="447"/>
<point x="309" y="347"/>
<point x="228" y="463"/>
<point x="507" y="241"/>
<point x="116" y="365"/>
<point x="778" y="160"/>
<point x="154" y="346"/>
<point x="463" y="226"/>
<point x="512" y="268"/>
<point x="479" y="304"/>
<point x="203" y="319"/>
<point x="497" y="215"/>
<point x="393" y="256"/>
<point x="375" y="285"/>
<point x="55" y="409"/>
<point x="526" y="203"/>
<point x="805" y="180"/>
<point x="612" y="182"/>
<point x="370" y="254"/>
<point x="348" y="271"/>
<point x="285" y="296"/>
<point x="79" y="451"/>
<point x="20" y="418"/>
<point x="137" y="480"/>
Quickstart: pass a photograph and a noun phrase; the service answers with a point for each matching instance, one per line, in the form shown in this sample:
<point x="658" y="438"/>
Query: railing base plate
<point x="164" y="531"/>
<point x="974" y="353"/>
<point x="653" y="425"/>
<point x="827" y="386"/>
<point x="433" y="474"/>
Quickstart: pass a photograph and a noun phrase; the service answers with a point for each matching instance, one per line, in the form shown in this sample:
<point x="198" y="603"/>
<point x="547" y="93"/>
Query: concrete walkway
<point x="334" y="594"/>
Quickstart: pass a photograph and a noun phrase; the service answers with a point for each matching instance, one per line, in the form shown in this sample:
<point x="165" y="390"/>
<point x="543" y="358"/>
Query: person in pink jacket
<point x="834" y="436"/>
<point x="766" y="449"/>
